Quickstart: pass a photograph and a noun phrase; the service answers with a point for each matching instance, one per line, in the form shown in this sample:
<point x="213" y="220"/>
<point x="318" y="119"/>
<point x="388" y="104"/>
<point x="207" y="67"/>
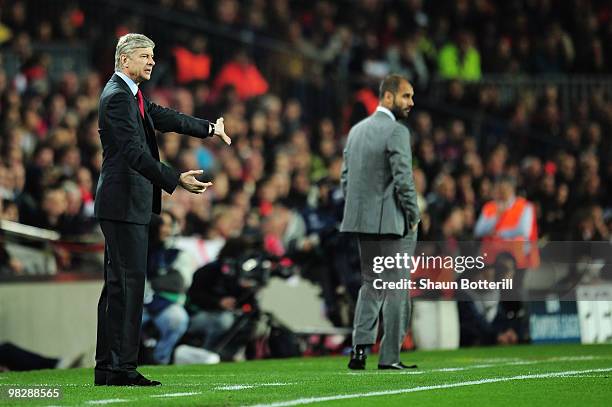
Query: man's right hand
<point x="188" y="181"/>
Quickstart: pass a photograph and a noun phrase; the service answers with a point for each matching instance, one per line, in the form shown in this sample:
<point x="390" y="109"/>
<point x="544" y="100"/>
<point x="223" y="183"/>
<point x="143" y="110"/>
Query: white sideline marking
<point x="235" y="387"/>
<point x="571" y="358"/>
<point x="195" y="375"/>
<point x="589" y="376"/>
<point x="487" y="365"/>
<point x="107" y="401"/>
<point x="48" y="384"/>
<point x="274" y="384"/>
<point x="311" y="400"/>
<point x="249" y="386"/>
<point x="110" y="401"/>
<point x="193" y="393"/>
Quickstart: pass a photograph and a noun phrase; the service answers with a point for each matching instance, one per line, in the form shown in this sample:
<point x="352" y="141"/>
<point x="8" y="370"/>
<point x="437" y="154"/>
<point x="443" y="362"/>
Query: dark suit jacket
<point x="132" y="177"/>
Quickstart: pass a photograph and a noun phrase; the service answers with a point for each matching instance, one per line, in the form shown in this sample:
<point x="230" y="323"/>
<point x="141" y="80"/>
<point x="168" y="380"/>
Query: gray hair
<point x="128" y="43"/>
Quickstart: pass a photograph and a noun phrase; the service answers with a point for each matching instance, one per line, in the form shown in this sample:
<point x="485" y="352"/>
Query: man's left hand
<point x="220" y="131"/>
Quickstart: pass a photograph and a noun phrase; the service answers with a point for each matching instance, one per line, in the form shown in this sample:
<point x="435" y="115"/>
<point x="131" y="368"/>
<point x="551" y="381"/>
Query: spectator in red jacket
<point x="243" y="75"/>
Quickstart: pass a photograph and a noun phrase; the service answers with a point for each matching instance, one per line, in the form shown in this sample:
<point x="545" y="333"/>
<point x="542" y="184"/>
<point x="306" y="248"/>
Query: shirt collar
<point x="385" y="111"/>
<point x="130" y="83"/>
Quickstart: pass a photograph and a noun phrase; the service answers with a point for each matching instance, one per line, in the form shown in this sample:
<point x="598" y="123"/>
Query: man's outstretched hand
<point x="220" y="131"/>
<point x="188" y="181"/>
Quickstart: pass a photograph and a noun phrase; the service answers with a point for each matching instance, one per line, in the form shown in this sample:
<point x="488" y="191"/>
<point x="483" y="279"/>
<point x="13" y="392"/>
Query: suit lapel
<point x="147" y="124"/>
<point x="150" y="133"/>
<point x="148" y="119"/>
<point x="125" y="86"/>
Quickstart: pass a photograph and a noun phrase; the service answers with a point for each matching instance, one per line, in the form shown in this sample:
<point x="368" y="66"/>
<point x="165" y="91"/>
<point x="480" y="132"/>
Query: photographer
<point x="223" y="292"/>
<point x="486" y="316"/>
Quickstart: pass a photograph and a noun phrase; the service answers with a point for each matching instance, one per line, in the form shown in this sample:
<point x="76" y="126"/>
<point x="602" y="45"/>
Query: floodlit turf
<point x="551" y="375"/>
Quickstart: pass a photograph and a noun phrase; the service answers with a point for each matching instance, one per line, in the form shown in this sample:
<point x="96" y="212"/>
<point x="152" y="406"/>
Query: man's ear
<point x="388" y="96"/>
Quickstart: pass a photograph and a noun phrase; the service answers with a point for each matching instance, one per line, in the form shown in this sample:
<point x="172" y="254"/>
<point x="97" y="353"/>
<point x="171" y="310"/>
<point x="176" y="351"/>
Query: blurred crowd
<point x="288" y="100"/>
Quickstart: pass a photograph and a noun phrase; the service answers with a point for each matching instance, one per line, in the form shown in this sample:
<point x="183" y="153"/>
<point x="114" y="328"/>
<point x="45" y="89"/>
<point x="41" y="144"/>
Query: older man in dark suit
<point x="128" y="193"/>
<point x="381" y="208"/>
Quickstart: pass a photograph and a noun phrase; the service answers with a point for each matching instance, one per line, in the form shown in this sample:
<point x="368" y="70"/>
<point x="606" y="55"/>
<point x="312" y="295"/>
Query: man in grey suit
<point x="381" y="208"/>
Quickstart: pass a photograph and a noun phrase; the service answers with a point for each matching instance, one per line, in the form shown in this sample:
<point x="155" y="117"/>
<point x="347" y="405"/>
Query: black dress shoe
<point x="358" y="358"/>
<point x="131" y="378"/>
<point x="100" y="377"/>
<point x="396" y="366"/>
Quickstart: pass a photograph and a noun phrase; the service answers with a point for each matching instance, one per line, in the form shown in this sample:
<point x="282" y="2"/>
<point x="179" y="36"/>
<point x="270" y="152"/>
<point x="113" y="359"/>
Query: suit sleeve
<point x="165" y="120"/>
<point x="119" y="113"/>
<point x="400" y="161"/>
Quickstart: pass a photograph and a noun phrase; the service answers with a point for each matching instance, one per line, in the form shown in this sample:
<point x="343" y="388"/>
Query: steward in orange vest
<point x="508" y="225"/>
<point x="192" y="64"/>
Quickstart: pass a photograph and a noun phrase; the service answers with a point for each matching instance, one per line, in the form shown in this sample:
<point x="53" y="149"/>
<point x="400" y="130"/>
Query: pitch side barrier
<point x="43" y="254"/>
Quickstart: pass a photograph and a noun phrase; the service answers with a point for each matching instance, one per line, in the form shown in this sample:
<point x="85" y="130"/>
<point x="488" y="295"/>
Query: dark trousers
<point x="121" y="301"/>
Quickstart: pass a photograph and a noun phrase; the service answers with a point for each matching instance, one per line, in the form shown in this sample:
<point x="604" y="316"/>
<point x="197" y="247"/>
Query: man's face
<point x="165" y="229"/>
<point x="402" y="100"/>
<point x="139" y="64"/>
<point x="505" y="191"/>
<point x="55" y="202"/>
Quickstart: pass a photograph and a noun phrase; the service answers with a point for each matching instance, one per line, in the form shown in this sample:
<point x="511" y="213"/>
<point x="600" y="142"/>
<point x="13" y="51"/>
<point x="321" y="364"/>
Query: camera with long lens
<point x="258" y="268"/>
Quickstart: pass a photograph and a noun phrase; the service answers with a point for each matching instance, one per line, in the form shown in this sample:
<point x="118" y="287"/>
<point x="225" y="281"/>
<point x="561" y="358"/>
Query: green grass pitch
<point x="536" y="375"/>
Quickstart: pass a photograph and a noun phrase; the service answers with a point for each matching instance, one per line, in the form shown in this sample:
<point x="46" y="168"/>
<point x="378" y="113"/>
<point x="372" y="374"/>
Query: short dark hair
<point x="506" y="179"/>
<point x="391" y="84"/>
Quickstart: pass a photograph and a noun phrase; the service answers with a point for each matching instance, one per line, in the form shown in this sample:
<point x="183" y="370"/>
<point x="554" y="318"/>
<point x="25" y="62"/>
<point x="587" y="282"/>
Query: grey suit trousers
<point x="392" y="304"/>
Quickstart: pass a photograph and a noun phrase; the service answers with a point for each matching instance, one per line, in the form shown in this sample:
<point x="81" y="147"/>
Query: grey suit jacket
<point x="377" y="181"/>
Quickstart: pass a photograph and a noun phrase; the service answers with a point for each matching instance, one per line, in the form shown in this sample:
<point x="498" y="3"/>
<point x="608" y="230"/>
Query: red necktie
<point x="140" y="103"/>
